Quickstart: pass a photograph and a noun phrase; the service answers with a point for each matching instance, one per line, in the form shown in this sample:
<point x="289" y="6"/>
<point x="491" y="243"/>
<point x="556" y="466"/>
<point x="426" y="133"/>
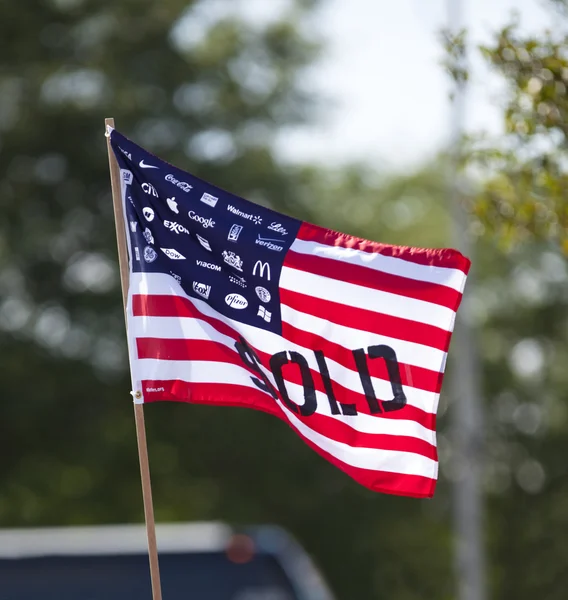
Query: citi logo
<point x="208" y="265"/>
<point x="236" y="301"/>
<point x="149" y="189"/>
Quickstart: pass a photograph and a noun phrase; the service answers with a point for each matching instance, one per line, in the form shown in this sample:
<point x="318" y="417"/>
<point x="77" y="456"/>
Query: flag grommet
<point x="138" y="395"/>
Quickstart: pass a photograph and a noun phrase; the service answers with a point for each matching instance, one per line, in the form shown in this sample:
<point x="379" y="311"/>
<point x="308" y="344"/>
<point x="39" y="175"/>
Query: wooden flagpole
<point x="138" y="408"/>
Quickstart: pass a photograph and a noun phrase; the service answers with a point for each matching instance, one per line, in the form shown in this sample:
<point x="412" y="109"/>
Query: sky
<point x="386" y="93"/>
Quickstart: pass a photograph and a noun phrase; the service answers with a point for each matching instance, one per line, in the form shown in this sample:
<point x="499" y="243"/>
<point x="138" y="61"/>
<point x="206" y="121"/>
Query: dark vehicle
<point x="198" y="561"/>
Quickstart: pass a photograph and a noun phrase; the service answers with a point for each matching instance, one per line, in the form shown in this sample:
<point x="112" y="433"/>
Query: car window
<point x="207" y="576"/>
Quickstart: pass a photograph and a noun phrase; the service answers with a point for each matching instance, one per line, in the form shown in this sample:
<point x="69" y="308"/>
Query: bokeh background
<point x="337" y="112"/>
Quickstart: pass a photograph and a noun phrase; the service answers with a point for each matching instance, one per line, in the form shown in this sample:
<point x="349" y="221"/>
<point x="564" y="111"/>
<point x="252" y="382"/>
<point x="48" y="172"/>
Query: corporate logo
<point x="262" y="293"/>
<point x="126" y="176"/>
<point x="148" y="236"/>
<point x="137" y="253"/>
<point x="261" y="266"/>
<point x="173" y="254"/>
<point x="209" y="199"/>
<point x="175" y="227"/>
<point x="202" y="220"/>
<point x="201" y="289"/>
<point x="145" y="166"/>
<point x="238" y="281"/>
<point x="148" y="188"/>
<point x="236" y="301"/>
<point x="176" y="277"/>
<point x="150" y="255"/>
<point x="156" y="389"/>
<point x="133" y="225"/>
<point x="249" y="216"/>
<point x="173" y="204"/>
<point x="148" y="213"/>
<point x="269" y="244"/>
<point x="127" y="154"/>
<point x="182" y="185"/>
<point x="234" y="233"/>
<point x="203" y="242"/>
<point x="232" y="259"/>
<point x="208" y="265"/>
<point x="264" y="314"/>
<point x="278" y="228"/>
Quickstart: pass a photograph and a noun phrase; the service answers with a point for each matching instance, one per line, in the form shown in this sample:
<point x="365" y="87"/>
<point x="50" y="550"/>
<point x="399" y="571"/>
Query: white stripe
<point x="359" y="296"/>
<point x="228" y="373"/>
<point x="392" y="461"/>
<point x="270" y="343"/>
<point x="407" y="352"/>
<point x="449" y="277"/>
<point x="367" y="458"/>
<point x="264" y="340"/>
<point x="194" y="371"/>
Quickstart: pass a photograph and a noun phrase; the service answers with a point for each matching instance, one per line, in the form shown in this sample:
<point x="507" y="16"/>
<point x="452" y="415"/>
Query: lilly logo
<point x="236" y="301"/>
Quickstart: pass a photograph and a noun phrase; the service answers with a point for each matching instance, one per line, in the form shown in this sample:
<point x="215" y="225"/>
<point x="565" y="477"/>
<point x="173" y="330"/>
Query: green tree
<point x="524" y="193"/>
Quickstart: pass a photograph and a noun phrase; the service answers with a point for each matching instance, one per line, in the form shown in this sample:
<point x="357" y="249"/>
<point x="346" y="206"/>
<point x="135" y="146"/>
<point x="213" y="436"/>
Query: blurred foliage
<point x="210" y="91"/>
<point x="526" y="175"/>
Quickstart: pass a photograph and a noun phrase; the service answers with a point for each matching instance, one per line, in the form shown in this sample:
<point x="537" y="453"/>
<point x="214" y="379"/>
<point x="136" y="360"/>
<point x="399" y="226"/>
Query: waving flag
<point x="232" y="303"/>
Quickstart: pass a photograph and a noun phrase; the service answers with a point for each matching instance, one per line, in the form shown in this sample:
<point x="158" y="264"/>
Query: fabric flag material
<point x="231" y="303"/>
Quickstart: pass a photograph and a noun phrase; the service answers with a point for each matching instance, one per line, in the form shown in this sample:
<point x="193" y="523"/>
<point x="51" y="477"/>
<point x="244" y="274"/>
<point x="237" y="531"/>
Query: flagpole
<point x="465" y="380"/>
<point x="138" y="408"/>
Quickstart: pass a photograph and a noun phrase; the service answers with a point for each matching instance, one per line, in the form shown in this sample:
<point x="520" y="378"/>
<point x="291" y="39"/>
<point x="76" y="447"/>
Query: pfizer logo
<point x="236" y="301"/>
<point x="262" y="293"/>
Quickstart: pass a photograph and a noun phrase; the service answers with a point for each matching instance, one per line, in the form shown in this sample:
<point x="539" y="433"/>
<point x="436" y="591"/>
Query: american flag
<point x="231" y="303"/>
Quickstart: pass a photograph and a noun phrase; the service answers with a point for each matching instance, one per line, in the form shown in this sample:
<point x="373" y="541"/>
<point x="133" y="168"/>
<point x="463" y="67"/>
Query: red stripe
<point x="411" y="375"/>
<point x="234" y="395"/>
<point x="373" y="279"/>
<point x="440" y="257"/>
<point x="182" y="349"/>
<point x="157" y="305"/>
<point x="323" y="424"/>
<point x="368" y="320"/>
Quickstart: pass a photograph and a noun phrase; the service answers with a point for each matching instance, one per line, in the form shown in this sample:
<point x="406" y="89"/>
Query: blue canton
<point x="219" y="247"/>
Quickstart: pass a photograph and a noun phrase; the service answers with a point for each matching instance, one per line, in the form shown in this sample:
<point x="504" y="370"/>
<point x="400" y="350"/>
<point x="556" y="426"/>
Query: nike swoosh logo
<point x="145" y="166"/>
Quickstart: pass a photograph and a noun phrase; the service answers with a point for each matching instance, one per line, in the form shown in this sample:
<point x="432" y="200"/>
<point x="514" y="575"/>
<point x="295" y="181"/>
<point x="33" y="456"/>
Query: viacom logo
<point x="236" y="301"/>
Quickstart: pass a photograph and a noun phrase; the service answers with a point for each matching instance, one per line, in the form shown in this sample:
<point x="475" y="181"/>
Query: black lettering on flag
<point x="346" y="409"/>
<point x="277" y="361"/>
<point x="389" y="355"/>
<point x="250" y="358"/>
